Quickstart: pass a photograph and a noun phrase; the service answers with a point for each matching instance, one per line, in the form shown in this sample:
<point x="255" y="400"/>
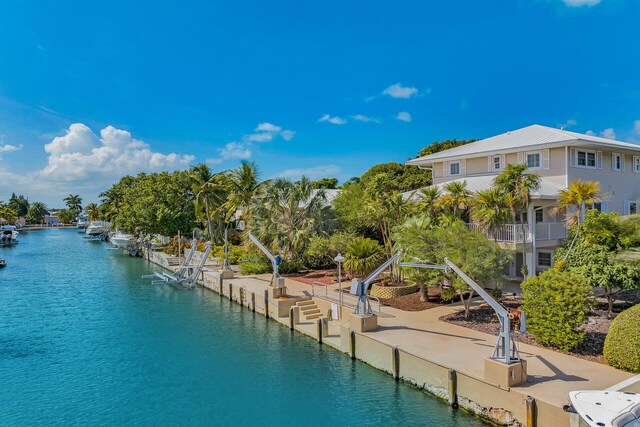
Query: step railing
<point x="346" y="297"/>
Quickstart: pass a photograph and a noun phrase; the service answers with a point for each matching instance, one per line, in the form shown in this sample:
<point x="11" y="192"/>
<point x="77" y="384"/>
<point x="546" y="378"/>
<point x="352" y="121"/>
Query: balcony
<point x="513" y="233"/>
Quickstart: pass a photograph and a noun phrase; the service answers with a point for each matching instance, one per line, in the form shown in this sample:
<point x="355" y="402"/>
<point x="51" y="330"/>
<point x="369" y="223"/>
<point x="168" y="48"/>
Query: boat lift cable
<point x="505" y="349"/>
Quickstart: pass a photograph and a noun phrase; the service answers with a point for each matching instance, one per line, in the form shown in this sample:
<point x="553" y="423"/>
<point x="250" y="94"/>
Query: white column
<point x="530" y="258"/>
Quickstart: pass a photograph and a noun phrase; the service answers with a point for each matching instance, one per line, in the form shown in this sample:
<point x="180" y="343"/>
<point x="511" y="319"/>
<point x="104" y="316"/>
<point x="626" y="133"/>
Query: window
<point x="539" y="216"/>
<point x="533" y="160"/>
<point x="497" y="163"/>
<point x="586" y="159"/>
<point x="617" y="162"/>
<point x="636" y="164"/>
<point x="521" y="217"/>
<point x="454" y="168"/>
<point x="544" y="259"/>
<point x="631" y="207"/>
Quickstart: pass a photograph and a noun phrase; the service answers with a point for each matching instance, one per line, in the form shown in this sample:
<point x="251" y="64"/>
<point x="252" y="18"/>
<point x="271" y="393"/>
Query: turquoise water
<point x="84" y="341"/>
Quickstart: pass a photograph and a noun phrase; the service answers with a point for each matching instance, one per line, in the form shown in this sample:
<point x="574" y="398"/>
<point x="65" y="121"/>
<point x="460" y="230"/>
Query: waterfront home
<point x="558" y="157"/>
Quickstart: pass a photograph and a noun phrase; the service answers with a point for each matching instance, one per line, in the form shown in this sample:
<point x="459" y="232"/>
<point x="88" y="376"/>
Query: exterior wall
<point x="615" y="186"/>
<point x="480" y="165"/>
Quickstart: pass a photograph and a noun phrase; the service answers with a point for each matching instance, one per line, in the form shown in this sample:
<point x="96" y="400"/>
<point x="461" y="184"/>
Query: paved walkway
<point x="553" y="374"/>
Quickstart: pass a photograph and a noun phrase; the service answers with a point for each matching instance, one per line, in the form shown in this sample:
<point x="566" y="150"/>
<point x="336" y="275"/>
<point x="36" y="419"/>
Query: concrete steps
<point x="309" y="310"/>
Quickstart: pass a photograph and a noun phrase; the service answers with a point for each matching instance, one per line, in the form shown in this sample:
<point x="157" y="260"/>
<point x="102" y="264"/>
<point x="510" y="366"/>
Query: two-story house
<point x="558" y="157"/>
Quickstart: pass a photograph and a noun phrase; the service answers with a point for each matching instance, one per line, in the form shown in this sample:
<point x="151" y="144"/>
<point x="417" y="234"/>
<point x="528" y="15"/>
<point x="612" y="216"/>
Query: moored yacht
<point x="82" y="222"/>
<point x="96" y="228"/>
<point x="606" y="408"/>
<point x="122" y="240"/>
<point x="8" y="235"/>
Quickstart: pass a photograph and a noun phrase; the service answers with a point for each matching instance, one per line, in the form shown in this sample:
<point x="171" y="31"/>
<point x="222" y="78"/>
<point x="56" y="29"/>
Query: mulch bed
<point x="484" y="319"/>
<point x="411" y="302"/>
<point x="328" y="277"/>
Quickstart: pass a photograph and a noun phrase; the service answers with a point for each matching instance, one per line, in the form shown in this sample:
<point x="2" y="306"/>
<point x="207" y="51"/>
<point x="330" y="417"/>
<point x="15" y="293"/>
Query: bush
<point x="556" y="304"/>
<point x="291" y="266"/>
<point x="322" y="250"/>
<point x="622" y="345"/>
<point x="363" y="255"/>
<point x="236" y="253"/>
<point x="171" y="248"/>
<point x="255" y="267"/>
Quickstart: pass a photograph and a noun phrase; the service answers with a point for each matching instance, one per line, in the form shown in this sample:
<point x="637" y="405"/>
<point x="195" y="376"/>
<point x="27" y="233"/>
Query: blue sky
<point x="93" y="90"/>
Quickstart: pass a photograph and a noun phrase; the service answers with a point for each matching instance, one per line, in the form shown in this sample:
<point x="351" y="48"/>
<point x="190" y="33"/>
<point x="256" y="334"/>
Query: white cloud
<point x="6" y="148"/>
<point x="636" y="127"/>
<point x="590" y="132"/>
<point x="578" y="3"/>
<point x="287" y="135"/>
<point x="316" y="172"/>
<point x="81" y="155"/>
<point x="266" y="132"/>
<point x="403" y="116"/>
<point x="335" y="119"/>
<point x="608" y="133"/>
<point x="366" y="119"/>
<point x="399" y="91"/>
<point x="235" y="150"/>
<point x="569" y="123"/>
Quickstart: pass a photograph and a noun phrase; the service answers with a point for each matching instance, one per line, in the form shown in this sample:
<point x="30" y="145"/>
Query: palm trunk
<point x="206" y="208"/>
<point x="424" y="293"/>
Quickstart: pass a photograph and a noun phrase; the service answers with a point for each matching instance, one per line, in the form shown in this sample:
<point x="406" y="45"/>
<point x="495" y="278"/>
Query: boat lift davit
<point x="182" y="276"/>
<point x="505" y="350"/>
<point x="278" y="282"/>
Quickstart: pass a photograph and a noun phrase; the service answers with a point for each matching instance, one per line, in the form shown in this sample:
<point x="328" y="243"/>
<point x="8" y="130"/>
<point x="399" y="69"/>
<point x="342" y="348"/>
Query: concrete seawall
<point x="502" y="406"/>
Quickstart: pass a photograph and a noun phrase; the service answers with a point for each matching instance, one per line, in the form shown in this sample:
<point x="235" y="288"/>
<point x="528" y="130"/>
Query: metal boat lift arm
<point x="364" y="306"/>
<point x="275" y="261"/>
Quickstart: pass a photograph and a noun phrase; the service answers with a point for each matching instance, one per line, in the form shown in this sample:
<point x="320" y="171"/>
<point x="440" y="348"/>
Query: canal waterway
<point x="84" y="341"/>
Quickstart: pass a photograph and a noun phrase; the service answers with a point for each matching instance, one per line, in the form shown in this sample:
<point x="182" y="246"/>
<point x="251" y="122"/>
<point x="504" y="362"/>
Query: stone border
<point x="387" y="292"/>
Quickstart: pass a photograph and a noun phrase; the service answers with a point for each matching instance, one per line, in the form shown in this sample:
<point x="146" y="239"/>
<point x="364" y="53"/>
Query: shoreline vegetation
<point x="368" y="218"/>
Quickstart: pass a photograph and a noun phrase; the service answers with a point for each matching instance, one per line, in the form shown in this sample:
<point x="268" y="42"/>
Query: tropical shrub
<point x="171" y="248"/>
<point x="362" y="256"/>
<point x="255" y="267"/>
<point x="236" y="253"/>
<point x="291" y="266"/>
<point x="622" y="345"/>
<point x="556" y="304"/>
<point x="322" y="250"/>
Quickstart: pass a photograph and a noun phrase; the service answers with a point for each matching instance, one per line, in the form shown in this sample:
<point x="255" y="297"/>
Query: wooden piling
<point x="319" y="330"/>
<point x="395" y="363"/>
<point x="291" y="323"/>
<point x="230" y="290"/>
<point x="266" y="304"/>
<point x="352" y="344"/>
<point x="531" y="411"/>
<point x="253" y="302"/>
<point x="452" y="379"/>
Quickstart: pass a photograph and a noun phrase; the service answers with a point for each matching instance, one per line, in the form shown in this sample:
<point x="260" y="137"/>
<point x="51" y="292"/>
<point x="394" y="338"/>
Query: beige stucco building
<point x="558" y="157"/>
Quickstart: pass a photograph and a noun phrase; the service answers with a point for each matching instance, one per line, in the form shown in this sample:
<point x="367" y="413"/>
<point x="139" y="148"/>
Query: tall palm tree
<point x="243" y="184"/>
<point x="578" y="195"/>
<point x="210" y="193"/>
<point x="489" y="210"/>
<point x="456" y="198"/>
<point x="286" y="215"/>
<point x="37" y="212"/>
<point x="518" y="184"/>
<point x="73" y="202"/>
<point x="93" y="211"/>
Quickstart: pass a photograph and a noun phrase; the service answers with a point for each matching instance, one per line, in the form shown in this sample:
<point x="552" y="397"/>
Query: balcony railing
<point x="514" y="233"/>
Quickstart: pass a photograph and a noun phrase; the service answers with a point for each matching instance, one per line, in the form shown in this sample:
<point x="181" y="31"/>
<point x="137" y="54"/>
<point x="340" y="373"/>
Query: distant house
<point x="51" y="220"/>
<point x="558" y="157"/>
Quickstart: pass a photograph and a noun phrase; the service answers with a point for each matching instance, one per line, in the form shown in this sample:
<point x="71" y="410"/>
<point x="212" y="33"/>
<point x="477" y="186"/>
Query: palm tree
<point x="37" y="212"/>
<point x="93" y="211"/>
<point x="578" y="195"/>
<point x="428" y="200"/>
<point x="456" y="199"/>
<point x="287" y="215"/>
<point x="489" y="210"/>
<point x="243" y="184"/>
<point x="517" y="185"/>
<point x="73" y="202"/>
<point x="210" y="193"/>
<point x="363" y="255"/>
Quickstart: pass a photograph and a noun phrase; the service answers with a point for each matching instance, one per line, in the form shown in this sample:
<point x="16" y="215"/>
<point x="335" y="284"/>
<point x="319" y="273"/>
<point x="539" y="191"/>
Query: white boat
<point x="96" y="228"/>
<point x="122" y="240"/>
<point x="8" y="235"/>
<point x="82" y="222"/>
<point x="606" y="408"/>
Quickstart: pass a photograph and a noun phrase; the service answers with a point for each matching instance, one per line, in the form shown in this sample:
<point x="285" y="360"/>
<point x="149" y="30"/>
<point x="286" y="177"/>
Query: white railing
<point x="515" y="233"/>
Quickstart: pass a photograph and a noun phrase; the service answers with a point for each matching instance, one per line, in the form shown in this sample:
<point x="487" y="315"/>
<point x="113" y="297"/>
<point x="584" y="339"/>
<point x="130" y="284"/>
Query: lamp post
<point x="340" y="259"/>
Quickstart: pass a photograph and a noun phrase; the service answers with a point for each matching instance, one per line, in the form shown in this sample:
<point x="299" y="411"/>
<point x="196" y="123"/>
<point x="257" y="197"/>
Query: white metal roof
<point x="548" y="188"/>
<point x="530" y="136"/>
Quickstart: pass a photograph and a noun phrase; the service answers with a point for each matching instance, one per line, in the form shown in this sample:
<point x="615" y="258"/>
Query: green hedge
<point x="622" y="345"/>
<point x="556" y="304"/>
